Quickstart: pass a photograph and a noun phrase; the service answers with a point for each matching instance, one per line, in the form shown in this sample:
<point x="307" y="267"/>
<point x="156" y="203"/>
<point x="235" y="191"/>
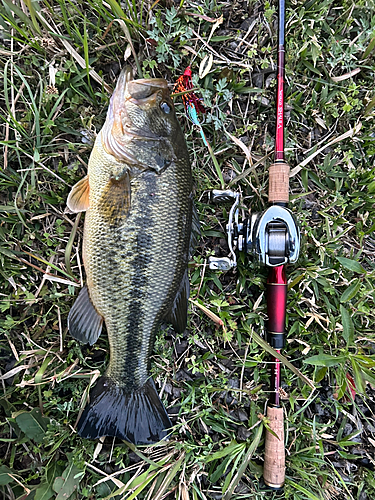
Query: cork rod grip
<point x="274" y="459"/>
<point x="278" y="189"/>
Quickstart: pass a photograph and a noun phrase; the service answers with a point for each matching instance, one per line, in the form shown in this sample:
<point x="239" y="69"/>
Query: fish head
<point x="141" y="123"/>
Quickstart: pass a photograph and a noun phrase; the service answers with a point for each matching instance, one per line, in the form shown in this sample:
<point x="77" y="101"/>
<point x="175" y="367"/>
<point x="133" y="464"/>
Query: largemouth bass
<point x="137" y="238"/>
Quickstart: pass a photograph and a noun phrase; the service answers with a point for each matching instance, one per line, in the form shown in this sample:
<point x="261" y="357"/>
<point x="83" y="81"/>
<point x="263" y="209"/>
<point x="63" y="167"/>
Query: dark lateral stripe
<point x="139" y="287"/>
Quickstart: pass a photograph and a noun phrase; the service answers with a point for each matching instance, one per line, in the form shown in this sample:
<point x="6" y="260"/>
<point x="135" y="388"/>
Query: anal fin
<point x="84" y="322"/>
<point x="78" y="199"/>
<point x="178" y="313"/>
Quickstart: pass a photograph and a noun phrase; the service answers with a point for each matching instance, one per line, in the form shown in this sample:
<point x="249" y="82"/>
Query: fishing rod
<point x="273" y="236"/>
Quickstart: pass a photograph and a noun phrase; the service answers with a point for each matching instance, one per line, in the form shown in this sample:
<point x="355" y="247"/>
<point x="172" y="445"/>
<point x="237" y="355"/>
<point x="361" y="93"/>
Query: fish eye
<point x="164" y="106"/>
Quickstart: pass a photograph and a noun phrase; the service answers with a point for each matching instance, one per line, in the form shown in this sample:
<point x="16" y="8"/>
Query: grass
<point x="59" y="61"/>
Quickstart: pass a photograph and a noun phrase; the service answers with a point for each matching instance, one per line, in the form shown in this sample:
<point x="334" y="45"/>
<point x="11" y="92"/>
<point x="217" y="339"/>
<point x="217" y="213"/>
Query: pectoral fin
<point x="78" y="199"/>
<point x="114" y="204"/>
<point x="178" y="313"/>
<point x="84" y="322"/>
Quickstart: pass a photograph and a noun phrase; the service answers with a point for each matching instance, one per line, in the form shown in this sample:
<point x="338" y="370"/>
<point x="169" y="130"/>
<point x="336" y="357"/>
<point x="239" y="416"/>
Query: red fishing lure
<point x="184" y="83"/>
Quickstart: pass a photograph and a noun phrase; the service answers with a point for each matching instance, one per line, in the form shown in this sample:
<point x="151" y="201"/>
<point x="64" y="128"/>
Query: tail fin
<point x="138" y="417"/>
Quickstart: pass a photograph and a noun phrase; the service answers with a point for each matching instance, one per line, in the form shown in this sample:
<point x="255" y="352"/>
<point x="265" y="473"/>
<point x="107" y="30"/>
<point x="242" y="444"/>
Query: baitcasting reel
<point x="272" y="235"/>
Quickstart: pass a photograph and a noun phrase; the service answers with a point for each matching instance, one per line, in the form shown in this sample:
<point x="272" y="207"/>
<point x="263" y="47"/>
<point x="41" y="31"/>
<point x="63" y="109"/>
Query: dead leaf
<point x="346" y="75"/>
<point x="208" y="313"/>
<point x="243" y="146"/>
<point x="184" y="492"/>
<point x="13" y="372"/>
<point x="128" y="52"/>
<point x="215" y="26"/>
<point x="350" y="133"/>
<point x="205" y="66"/>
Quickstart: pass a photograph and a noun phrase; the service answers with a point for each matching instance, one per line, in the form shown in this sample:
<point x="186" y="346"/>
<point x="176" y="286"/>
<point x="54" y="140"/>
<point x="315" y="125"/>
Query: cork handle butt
<point x="274" y="459"/>
<point x="278" y="189"/>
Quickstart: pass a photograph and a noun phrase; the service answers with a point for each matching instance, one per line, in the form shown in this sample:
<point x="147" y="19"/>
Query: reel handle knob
<point x="222" y="196"/>
<point x="221" y="263"/>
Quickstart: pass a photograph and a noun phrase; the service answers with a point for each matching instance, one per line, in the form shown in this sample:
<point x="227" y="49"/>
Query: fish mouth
<point x="144" y="88"/>
<point x="136" y="90"/>
<point x="145" y="93"/>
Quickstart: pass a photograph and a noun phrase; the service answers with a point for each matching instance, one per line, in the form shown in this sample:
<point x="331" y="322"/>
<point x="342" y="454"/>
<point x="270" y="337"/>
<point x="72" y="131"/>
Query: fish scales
<point x="146" y="257"/>
<point x="137" y="238"/>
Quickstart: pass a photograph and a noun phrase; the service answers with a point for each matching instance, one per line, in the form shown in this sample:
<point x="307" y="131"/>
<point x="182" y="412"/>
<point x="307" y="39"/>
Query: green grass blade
<point x="242" y="468"/>
<point x="69" y="246"/>
<point x="281" y="358"/>
<point x="30" y="6"/>
<point x="308" y="493"/>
